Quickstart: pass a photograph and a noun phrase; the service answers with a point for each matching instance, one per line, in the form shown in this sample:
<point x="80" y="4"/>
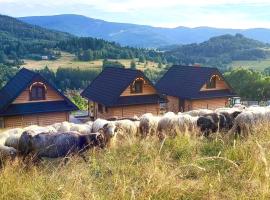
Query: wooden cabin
<point x="190" y="87"/>
<point x="122" y="93"/>
<point x="29" y="99"/>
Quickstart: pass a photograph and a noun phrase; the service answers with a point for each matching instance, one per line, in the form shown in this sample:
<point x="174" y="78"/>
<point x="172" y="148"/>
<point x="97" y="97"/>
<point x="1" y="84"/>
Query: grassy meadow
<point x="219" y="167"/>
<point x="68" y="60"/>
<point x="258" y="65"/>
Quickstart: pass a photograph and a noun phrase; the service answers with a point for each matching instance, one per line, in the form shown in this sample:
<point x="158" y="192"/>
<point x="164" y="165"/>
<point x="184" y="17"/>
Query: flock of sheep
<point x="64" y="139"/>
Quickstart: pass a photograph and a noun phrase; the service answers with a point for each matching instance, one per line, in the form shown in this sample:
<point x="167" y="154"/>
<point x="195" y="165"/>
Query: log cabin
<point x="194" y="87"/>
<point x="29" y="99"/>
<point x="122" y="93"/>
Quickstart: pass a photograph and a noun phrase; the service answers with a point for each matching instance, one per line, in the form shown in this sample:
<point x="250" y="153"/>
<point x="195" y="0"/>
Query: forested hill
<point x="16" y="29"/>
<point x="138" y="35"/>
<point x="19" y="40"/>
<point x="218" y="51"/>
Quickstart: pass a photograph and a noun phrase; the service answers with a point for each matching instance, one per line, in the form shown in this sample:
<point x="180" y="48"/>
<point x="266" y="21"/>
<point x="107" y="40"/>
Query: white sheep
<point x="126" y="128"/>
<point x="199" y="112"/>
<point x="65" y="127"/>
<point x="39" y="129"/>
<point x="148" y="124"/>
<point x="98" y="124"/>
<point x="249" y="119"/>
<point x="168" y="125"/>
<point x="187" y="124"/>
<point x="81" y="128"/>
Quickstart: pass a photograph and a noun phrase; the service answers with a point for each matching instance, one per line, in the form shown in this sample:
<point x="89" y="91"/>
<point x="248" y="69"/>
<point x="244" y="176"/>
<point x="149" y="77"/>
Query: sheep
<point x="199" y="112"/>
<point x="148" y="124"/>
<point x="98" y="124"/>
<point x="58" y="145"/>
<point x="65" y="127"/>
<point x="81" y="128"/>
<point x="126" y="128"/>
<point x="243" y="123"/>
<point x="7" y="153"/>
<point x="108" y="127"/>
<point x="187" y="123"/>
<point x="168" y="125"/>
<point x="39" y="129"/>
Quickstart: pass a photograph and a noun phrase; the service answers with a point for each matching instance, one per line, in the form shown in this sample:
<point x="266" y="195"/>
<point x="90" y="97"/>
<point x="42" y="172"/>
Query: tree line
<point x="247" y="83"/>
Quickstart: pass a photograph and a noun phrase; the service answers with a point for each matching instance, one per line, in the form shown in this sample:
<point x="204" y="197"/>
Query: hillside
<point x="138" y="35"/>
<point x="19" y="40"/>
<point x="218" y="51"/>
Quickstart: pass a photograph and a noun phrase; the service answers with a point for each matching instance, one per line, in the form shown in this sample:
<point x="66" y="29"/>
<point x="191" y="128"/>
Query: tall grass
<point x="220" y="167"/>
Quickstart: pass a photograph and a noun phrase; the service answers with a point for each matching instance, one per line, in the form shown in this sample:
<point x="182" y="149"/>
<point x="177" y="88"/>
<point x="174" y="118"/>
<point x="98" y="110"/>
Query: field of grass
<point x="220" y="167"/>
<point x="259" y="65"/>
<point x="68" y="60"/>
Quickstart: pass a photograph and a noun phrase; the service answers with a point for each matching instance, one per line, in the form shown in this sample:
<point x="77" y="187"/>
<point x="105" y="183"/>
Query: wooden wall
<point x="51" y="95"/>
<point x="173" y="104"/>
<point x="220" y="85"/>
<point x="147" y="90"/>
<point x="127" y="111"/>
<point x="38" y="119"/>
<point x="210" y="104"/>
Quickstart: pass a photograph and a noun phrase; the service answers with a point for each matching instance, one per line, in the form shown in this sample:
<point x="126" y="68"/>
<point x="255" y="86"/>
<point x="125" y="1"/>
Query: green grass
<point x="259" y="65"/>
<point x="181" y="168"/>
<point x="68" y="60"/>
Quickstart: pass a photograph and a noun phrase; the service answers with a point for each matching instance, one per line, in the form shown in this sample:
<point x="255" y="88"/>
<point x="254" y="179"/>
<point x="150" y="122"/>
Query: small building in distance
<point x="29" y="99"/>
<point x="194" y="87"/>
<point x="122" y="93"/>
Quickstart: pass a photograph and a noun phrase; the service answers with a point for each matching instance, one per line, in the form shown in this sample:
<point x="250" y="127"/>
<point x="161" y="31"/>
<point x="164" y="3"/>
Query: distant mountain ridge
<point x="138" y="35"/>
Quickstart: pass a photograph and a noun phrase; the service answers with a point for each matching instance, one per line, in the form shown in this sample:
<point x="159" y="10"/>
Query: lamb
<point x="148" y="124"/>
<point x="58" y="145"/>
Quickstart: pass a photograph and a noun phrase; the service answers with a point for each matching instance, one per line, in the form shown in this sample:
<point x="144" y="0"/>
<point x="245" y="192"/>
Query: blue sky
<point x="164" y="13"/>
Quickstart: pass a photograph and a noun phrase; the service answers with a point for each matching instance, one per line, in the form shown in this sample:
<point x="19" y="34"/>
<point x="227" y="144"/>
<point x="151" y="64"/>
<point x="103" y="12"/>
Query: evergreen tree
<point x="133" y="64"/>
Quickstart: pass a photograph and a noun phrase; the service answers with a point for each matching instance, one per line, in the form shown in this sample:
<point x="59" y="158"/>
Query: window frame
<point x="212" y="83"/>
<point x="133" y="87"/>
<point x="34" y="92"/>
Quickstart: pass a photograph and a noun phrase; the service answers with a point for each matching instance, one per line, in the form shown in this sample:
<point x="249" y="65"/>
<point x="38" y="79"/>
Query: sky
<point x="162" y="13"/>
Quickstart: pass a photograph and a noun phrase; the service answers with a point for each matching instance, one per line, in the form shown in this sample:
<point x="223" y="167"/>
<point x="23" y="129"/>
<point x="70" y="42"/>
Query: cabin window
<point x="100" y="108"/>
<point x="137" y="87"/>
<point x="37" y="92"/>
<point x="212" y="83"/>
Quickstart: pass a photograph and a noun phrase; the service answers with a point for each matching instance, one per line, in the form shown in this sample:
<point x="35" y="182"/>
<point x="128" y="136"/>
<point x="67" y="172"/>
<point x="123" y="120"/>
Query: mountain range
<point x="137" y="35"/>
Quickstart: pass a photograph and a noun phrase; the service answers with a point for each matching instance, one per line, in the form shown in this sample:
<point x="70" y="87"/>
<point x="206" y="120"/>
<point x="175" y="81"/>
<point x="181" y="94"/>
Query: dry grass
<point x="183" y="168"/>
<point x="67" y="60"/>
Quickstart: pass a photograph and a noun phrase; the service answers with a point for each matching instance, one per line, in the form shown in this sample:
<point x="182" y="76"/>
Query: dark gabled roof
<point x="109" y="85"/>
<point x="186" y="82"/>
<point x="19" y="83"/>
<point x="37" y="108"/>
